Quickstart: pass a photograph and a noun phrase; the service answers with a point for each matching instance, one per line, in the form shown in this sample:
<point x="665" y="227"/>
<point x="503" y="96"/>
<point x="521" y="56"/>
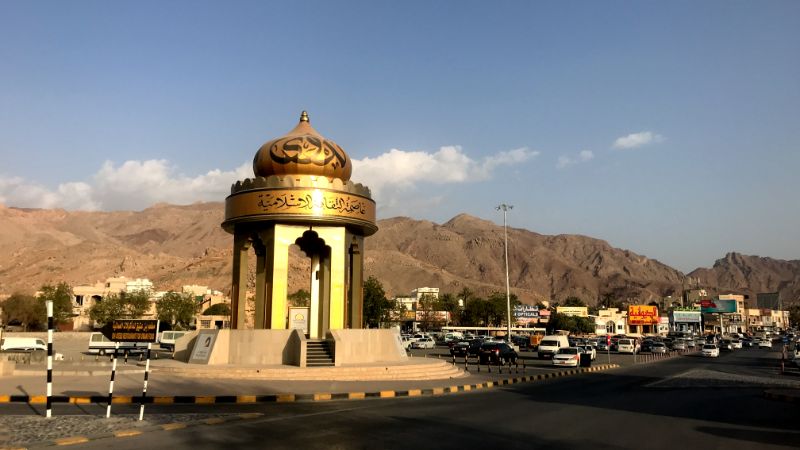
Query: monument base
<point x="287" y="347"/>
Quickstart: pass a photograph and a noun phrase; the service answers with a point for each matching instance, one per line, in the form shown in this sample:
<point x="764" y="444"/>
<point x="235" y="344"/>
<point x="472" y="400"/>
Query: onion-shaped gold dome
<point x="303" y="151"/>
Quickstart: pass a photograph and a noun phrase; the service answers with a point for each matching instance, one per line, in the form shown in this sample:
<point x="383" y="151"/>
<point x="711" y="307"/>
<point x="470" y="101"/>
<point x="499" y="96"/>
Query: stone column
<point x="241" y="245"/>
<point x="259" y="315"/>
<point x="356" y="282"/>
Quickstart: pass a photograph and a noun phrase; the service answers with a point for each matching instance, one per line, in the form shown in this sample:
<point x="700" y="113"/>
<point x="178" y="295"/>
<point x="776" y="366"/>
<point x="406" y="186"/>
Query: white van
<point x="22" y="344"/>
<point x="167" y="339"/>
<point x="549" y="345"/>
<point x="628" y="345"/>
<point x="103" y="345"/>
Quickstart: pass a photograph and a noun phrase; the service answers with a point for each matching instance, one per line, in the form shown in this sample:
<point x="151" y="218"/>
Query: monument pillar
<point x="301" y="194"/>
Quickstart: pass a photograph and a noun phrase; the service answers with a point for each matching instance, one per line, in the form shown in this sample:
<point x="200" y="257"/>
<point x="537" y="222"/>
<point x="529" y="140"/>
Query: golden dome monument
<point x="301" y="194"/>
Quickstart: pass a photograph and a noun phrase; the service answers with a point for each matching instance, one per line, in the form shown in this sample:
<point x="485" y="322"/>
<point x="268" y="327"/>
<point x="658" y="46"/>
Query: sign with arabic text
<point x="130" y="330"/>
<point x="310" y="202"/>
<point x="642" y="315"/>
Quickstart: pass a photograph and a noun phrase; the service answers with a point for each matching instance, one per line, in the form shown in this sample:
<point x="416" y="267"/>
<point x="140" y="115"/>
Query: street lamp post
<point x="505" y="209"/>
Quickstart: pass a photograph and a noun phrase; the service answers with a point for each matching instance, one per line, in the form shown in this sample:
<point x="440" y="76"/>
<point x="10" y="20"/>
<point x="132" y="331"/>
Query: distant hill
<point x="750" y="275"/>
<point x="176" y="245"/>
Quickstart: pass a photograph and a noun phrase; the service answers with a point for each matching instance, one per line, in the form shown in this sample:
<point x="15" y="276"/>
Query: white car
<point x="627" y="346"/>
<point x="766" y="343"/>
<point x="590" y="350"/>
<point x="736" y="343"/>
<point x="567" y="356"/>
<point x="425" y="342"/>
<point x="710" y="351"/>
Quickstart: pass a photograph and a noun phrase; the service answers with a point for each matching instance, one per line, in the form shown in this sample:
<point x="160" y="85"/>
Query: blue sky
<point x="668" y="128"/>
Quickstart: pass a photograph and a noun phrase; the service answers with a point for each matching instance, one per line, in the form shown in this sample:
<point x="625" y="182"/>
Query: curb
<point x="290" y="398"/>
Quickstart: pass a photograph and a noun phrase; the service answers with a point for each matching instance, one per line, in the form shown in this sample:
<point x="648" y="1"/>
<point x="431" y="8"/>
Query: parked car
<point x="26" y="344"/>
<point x="710" y="351"/>
<point x="460" y="349"/>
<point x="647" y="345"/>
<point x="589" y="349"/>
<point x="627" y="345"/>
<point x="602" y="346"/>
<point x="425" y="342"/>
<point x="497" y="353"/>
<point x="679" y="344"/>
<point x="765" y="343"/>
<point x="726" y="344"/>
<point x="658" y="347"/>
<point x="567" y="356"/>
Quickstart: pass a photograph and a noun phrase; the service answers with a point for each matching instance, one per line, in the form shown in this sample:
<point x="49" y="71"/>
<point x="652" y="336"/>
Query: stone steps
<point x="433" y="370"/>
<point x="318" y="354"/>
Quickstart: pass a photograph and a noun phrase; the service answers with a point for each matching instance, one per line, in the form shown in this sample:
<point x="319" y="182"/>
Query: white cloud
<point x="635" y="140"/>
<point x="583" y="156"/>
<point x="398" y="170"/>
<point x="134" y="185"/>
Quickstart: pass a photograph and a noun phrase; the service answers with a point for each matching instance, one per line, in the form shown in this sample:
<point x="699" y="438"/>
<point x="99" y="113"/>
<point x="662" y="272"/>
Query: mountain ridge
<point x="173" y="245"/>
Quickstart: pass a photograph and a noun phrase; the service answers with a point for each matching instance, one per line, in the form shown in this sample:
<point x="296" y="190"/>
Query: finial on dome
<point x="304" y="117"/>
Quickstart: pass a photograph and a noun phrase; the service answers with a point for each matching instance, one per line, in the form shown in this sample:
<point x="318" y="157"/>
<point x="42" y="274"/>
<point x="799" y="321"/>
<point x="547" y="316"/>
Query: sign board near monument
<point x="130" y="330"/>
<point x="203" y="346"/>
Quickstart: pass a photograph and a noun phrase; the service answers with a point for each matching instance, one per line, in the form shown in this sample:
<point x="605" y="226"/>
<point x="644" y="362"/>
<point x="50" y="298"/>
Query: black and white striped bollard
<point x="111" y="384"/>
<point x="49" y="358"/>
<point x="144" y="389"/>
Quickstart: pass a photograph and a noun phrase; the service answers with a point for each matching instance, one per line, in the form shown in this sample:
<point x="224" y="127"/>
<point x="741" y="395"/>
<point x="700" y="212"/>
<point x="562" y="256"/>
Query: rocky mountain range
<point x="178" y="245"/>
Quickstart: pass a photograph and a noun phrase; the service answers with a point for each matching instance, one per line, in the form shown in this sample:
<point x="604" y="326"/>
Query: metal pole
<point x="144" y="389"/>
<point x="505" y="209"/>
<point x="111" y="384"/>
<point x="49" y="304"/>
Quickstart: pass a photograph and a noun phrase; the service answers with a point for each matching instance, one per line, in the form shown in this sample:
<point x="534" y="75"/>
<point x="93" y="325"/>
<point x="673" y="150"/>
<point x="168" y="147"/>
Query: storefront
<point x="686" y="320"/>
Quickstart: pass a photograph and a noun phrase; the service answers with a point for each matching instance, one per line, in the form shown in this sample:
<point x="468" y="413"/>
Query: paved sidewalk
<point x="84" y="380"/>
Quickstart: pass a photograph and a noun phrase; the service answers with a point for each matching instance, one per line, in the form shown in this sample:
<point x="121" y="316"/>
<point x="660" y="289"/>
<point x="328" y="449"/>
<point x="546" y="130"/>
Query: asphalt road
<point x="681" y="402"/>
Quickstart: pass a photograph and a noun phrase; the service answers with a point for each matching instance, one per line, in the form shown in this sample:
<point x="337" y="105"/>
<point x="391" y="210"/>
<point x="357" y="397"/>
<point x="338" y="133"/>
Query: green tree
<point x="570" y="323"/>
<point x="794" y="315"/>
<point x="29" y="311"/>
<point x="177" y="309"/>
<point x="61" y="296"/>
<point x="300" y="298"/>
<point x="125" y="305"/>
<point x="477" y="312"/>
<point x="220" y="309"/>
<point x="498" y="307"/>
<point x="107" y="310"/>
<point x="428" y="306"/>
<point x="448" y="302"/>
<point x="377" y="308"/>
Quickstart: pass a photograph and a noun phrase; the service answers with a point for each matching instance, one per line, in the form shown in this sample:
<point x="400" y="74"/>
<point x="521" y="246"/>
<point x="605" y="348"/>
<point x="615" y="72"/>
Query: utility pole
<point x="505" y="209"/>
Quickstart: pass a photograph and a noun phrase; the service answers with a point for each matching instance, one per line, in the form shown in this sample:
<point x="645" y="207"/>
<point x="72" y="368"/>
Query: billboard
<point x="642" y="315"/>
<point x="717" y="306"/>
<point x="768" y="300"/>
<point x="526" y="314"/>
<point x="686" y="316"/>
<point x="575" y="311"/>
